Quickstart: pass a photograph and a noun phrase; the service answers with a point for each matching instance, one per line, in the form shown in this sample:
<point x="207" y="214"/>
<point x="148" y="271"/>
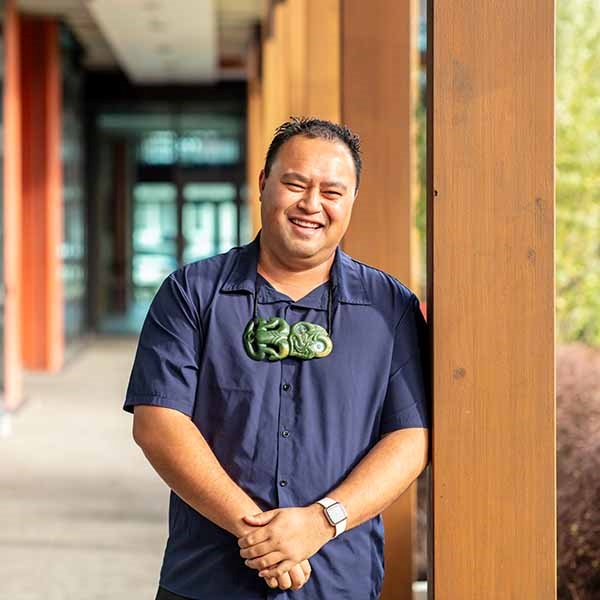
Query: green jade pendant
<point x="273" y="339"/>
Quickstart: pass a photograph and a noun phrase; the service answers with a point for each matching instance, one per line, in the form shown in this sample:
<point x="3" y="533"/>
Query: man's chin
<point x="303" y="250"/>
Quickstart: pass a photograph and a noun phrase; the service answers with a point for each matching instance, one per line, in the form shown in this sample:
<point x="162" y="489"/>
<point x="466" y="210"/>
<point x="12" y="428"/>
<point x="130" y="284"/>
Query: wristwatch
<point x="335" y="513"/>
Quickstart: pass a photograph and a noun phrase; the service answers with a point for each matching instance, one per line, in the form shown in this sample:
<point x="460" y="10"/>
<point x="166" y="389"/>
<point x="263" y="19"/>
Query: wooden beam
<point x="379" y="77"/>
<point x="491" y="298"/>
<point x="378" y="98"/>
<point x="43" y="302"/>
<point x="275" y="77"/>
<point x="323" y="59"/>
<point x="254" y="133"/>
<point x="11" y="208"/>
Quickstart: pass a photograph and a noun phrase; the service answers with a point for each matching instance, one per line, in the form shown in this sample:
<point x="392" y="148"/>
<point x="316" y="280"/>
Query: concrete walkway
<point x="82" y="514"/>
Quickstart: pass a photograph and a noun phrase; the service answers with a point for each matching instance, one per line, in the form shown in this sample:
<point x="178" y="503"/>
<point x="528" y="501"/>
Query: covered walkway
<point x="82" y="515"/>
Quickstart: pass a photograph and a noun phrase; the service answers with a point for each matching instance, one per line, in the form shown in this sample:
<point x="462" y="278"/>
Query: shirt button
<point x="286" y="387"/>
<point x="285" y="433"/>
<point x="283" y="483"/>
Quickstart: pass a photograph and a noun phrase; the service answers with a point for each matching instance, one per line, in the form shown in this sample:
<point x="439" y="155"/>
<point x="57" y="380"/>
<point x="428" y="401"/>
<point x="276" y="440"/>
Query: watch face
<point x="336" y="513"/>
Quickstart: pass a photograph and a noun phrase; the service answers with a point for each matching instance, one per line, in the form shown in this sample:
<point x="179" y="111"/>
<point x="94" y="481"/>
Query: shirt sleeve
<point x="407" y="402"/>
<point x="165" y="369"/>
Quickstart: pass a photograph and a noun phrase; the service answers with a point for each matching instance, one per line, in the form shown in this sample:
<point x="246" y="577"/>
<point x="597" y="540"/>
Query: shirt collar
<point x="345" y="273"/>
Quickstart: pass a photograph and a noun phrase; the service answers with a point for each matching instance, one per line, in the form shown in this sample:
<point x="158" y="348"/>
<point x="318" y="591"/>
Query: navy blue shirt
<point x="287" y="432"/>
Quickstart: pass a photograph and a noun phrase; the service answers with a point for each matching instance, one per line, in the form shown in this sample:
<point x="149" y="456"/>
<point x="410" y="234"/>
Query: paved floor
<point x="82" y="515"/>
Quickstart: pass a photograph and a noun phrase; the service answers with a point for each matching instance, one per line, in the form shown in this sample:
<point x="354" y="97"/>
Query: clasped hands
<point x="282" y="540"/>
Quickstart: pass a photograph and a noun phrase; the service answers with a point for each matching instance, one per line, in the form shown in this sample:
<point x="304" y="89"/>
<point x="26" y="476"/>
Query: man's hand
<point x="294" y="579"/>
<point x="284" y="538"/>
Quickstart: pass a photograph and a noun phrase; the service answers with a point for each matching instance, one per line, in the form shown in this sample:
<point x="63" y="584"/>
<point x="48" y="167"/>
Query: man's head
<point x="307" y="190"/>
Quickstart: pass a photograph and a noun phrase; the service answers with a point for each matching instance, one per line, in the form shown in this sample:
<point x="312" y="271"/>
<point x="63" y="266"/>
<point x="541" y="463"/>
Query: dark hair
<point x="314" y="128"/>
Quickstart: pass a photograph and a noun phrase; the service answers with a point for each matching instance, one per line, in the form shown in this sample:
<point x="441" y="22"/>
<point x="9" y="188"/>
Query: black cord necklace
<point x="274" y="339"/>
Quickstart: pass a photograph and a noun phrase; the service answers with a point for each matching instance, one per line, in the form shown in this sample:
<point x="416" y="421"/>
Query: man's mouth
<point x="306" y="224"/>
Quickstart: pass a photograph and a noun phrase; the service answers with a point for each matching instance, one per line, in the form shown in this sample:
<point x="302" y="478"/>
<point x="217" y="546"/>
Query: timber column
<point x="11" y="209"/>
<point x="491" y="298"/>
<point x="42" y="223"/>
<point x="379" y="95"/>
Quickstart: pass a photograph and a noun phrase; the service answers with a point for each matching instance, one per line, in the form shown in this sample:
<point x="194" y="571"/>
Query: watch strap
<point x="328" y="502"/>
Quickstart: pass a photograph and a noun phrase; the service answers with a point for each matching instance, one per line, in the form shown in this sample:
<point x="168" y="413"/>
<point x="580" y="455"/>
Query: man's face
<point x="307" y="199"/>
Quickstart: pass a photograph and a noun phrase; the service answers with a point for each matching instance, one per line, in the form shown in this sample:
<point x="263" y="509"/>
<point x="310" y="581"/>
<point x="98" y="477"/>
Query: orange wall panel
<point x="42" y="315"/>
<point x="12" y="209"/>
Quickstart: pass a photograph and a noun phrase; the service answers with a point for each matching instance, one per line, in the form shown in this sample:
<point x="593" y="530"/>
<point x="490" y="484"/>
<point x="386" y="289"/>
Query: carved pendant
<point x="267" y="338"/>
<point x="272" y="339"/>
<point x="308" y="340"/>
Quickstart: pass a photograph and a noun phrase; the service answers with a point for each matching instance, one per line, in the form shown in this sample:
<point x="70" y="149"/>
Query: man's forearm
<point x="180" y="455"/>
<point x="383" y="474"/>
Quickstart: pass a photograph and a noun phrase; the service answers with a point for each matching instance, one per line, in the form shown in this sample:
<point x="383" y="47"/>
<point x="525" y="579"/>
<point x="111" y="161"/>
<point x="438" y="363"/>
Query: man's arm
<point x="180" y="455"/>
<point x="383" y="475"/>
<point x="292" y="534"/>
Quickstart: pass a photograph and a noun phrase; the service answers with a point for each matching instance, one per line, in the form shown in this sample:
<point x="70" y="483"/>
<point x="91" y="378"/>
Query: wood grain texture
<point x="379" y="93"/>
<point x="491" y="277"/>
<point x="275" y="76"/>
<point x="379" y="75"/>
<point x="323" y="47"/>
<point x="254" y="134"/>
<point x="13" y="392"/>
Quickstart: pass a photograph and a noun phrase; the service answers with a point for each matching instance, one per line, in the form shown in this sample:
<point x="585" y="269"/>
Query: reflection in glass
<point x="192" y="148"/>
<point x="209" y="219"/>
<point x="154" y="236"/>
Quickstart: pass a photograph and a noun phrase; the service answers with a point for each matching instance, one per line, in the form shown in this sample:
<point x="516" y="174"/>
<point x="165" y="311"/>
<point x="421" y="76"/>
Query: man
<point x="279" y="390"/>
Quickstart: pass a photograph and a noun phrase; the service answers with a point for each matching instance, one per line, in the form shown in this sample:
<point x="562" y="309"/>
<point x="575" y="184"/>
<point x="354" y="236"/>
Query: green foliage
<point x="578" y="170"/>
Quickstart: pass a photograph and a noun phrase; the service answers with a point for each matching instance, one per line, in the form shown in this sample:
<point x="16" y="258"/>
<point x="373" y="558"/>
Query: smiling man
<point x="280" y="391"/>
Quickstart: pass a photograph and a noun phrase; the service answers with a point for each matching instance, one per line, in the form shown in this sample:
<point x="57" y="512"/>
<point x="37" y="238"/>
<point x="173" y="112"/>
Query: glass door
<point x="155" y="234"/>
<point x="209" y="219"/>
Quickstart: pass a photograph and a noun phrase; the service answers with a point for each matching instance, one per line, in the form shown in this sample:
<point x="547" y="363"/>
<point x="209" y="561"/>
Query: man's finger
<point x="306" y="568"/>
<point x="254" y="537"/>
<point x="284" y="581"/>
<point x="266" y="562"/>
<point x="275" y="571"/>
<point x="297" y="576"/>
<point x="257" y="550"/>
<point x="261" y="518"/>
<point x="272" y="582"/>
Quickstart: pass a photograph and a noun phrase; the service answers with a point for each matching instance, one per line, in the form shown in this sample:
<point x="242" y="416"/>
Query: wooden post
<point x="379" y="94"/>
<point x="491" y="298"/>
<point x="323" y="59"/>
<point x="43" y="302"/>
<point x="254" y="133"/>
<point x="275" y="88"/>
<point x="12" y="209"/>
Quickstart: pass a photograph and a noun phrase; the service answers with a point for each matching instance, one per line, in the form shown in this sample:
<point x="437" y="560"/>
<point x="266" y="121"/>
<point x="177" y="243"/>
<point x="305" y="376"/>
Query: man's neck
<point x="294" y="281"/>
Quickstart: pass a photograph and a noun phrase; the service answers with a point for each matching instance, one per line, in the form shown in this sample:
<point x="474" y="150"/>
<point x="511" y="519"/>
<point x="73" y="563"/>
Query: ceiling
<point x="160" y="41"/>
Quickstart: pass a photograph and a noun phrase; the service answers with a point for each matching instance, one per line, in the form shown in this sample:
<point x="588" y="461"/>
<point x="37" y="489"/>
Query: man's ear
<point x="262" y="178"/>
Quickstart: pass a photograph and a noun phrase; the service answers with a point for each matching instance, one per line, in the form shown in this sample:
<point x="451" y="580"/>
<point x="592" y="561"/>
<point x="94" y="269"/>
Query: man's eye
<point x="295" y="186"/>
<point x="333" y="193"/>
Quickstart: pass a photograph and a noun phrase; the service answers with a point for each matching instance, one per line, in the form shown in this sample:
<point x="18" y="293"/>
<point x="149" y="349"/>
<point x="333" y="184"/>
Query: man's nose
<point x="311" y="200"/>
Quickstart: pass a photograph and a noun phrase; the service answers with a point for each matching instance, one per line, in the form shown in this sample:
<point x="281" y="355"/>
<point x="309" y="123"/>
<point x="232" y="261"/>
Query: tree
<point x="578" y="170"/>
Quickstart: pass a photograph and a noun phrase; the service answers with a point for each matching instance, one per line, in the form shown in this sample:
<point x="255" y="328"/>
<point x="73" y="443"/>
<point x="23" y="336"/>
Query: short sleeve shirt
<point x="287" y="432"/>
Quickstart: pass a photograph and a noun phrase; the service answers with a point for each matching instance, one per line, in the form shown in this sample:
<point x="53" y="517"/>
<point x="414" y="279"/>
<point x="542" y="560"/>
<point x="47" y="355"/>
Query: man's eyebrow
<point x="336" y="184"/>
<point x="305" y="179"/>
<point x="295" y="175"/>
